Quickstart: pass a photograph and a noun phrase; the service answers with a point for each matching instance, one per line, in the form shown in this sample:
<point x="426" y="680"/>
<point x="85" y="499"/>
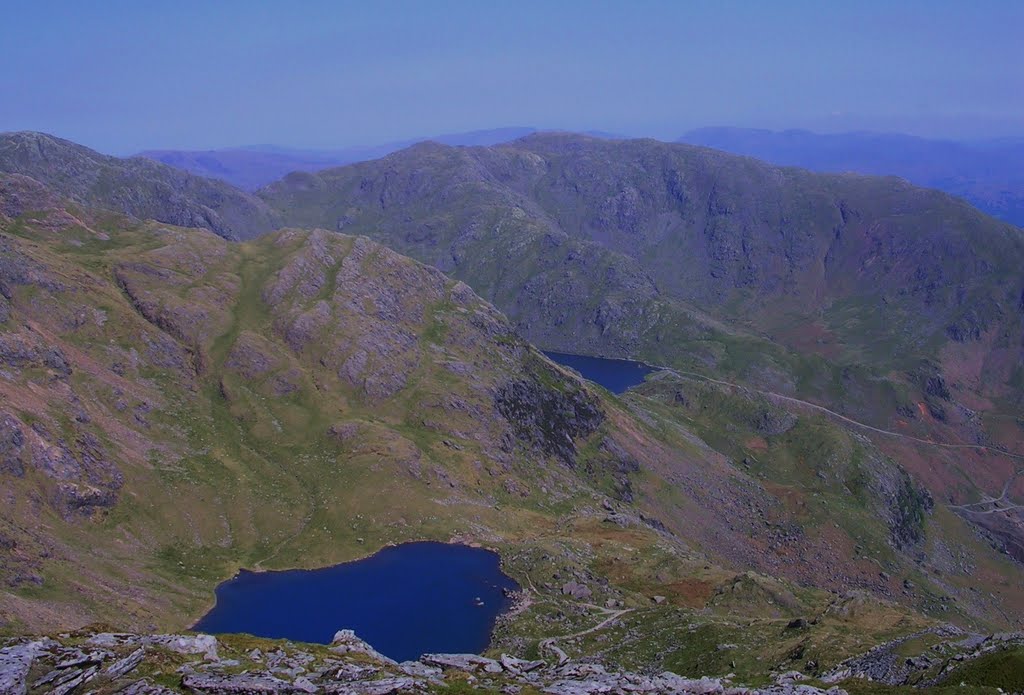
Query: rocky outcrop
<point x="20" y="351"/>
<point x="12" y="446"/>
<point x="16" y="661"/>
<point x="908" y="511"/>
<point x="890" y="665"/>
<point x="131" y="663"/>
<point x="21" y="195"/>
<point x="548" y="418"/>
<point x="613" y="462"/>
<point x="83" y="476"/>
<point x="576" y="590"/>
<point x="356" y="306"/>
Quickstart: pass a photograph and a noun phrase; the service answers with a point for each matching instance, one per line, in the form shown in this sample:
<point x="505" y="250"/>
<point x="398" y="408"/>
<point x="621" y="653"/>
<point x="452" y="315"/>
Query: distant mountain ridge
<point x="250" y="168"/>
<point x="988" y="174"/>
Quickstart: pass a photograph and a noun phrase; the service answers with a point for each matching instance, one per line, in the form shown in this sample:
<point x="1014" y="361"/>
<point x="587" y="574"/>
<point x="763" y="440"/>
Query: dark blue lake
<point x="405" y="601"/>
<point x="614" y="375"/>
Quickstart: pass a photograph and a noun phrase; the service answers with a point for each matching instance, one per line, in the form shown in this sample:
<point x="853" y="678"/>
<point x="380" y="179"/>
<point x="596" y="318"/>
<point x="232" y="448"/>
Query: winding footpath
<point x="822" y="409"/>
<point x="999" y="504"/>
<point x="612" y="616"/>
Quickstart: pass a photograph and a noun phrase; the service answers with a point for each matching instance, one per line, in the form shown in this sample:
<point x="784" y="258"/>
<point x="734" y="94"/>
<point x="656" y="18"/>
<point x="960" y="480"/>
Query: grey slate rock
<point x="15" y="663"/>
<point x="126" y="665"/>
<point x="216" y="684"/>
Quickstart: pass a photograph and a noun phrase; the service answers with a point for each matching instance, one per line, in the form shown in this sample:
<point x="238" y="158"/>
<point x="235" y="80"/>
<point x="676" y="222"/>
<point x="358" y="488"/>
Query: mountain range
<point x="828" y="461"/>
<point x="255" y="166"/>
<point x="687" y="256"/>
<point x="986" y="173"/>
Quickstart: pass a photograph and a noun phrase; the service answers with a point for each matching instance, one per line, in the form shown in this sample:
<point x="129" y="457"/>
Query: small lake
<point x="614" y="375"/>
<point x="405" y="601"/>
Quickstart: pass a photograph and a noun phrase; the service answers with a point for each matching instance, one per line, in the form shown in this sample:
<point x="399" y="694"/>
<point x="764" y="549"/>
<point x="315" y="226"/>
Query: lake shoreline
<point x="407" y="598"/>
<point x="617" y="375"/>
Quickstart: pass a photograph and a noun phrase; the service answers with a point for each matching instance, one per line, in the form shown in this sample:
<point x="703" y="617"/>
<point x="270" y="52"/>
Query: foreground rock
<point x="15" y="662"/>
<point x="104" y="662"/>
<point x="161" y="664"/>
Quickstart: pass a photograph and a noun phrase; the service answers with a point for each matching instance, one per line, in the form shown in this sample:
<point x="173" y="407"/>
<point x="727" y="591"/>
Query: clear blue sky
<point x="126" y="75"/>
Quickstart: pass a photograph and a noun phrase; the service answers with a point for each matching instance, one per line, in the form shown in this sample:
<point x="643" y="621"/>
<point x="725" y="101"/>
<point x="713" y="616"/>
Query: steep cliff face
<point x="986" y="174"/>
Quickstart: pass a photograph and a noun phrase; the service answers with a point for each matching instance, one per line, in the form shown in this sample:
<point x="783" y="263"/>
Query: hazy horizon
<point x="125" y="77"/>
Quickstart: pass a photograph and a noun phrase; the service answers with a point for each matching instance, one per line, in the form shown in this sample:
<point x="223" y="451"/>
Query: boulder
<point x="144" y="687"/>
<point x="305" y="685"/>
<point x="347" y="642"/>
<point x="384" y="686"/>
<point x="419" y="669"/>
<point x="77" y="678"/>
<point x="790" y="677"/>
<point x="353" y="672"/>
<point x="188" y="644"/>
<point x="562" y="657"/>
<point x="585" y="687"/>
<point x="113" y="639"/>
<point x="576" y="590"/>
<point x="462" y="662"/>
<point x="519" y="666"/>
